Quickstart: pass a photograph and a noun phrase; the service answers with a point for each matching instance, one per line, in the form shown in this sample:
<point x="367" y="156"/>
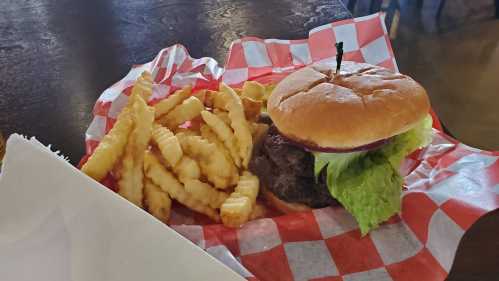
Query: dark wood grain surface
<point x="56" y="57"/>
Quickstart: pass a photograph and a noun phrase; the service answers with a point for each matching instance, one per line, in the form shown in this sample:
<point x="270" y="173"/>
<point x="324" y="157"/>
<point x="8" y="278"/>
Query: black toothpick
<point x="339" y="55"/>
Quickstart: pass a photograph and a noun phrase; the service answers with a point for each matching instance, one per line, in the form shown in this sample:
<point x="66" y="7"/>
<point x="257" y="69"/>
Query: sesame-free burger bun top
<point x="361" y="105"/>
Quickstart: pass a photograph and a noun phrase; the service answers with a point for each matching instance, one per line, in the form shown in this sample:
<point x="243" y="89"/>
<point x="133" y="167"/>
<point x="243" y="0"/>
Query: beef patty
<point x="288" y="172"/>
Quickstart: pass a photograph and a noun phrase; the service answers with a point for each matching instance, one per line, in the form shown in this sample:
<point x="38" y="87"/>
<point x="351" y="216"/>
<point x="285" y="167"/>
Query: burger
<point x="340" y="137"/>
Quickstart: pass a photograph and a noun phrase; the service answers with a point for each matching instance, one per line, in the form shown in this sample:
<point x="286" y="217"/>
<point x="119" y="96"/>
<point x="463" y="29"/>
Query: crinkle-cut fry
<point x="200" y="95"/>
<point x="166" y="105"/>
<point x="156" y="201"/>
<point x="183" y="135"/>
<point x="239" y="123"/>
<point x="235" y="211"/>
<point x="168" y="144"/>
<point x="259" y="211"/>
<point x="238" y="91"/>
<point x="187" y="110"/>
<point x="207" y="133"/>
<point x="268" y="90"/>
<point x="214" y="166"/>
<point x="223" y="115"/>
<point x="220" y="99"/>
<point x="187" y="169"/>
<point x="253" y="90"/>
<point x="209" y="98"/>
<point x="143" y="86"/>
<point x="248" y="186"/>
<point x="224" y="132"/>
<point x="179" y="132"/>
<point x="252" y="108"/>
<point x="111" y="147"/>
<point x="169" y="184"/>
<point x="205" y="193"/>
<point x="131" y="175"/>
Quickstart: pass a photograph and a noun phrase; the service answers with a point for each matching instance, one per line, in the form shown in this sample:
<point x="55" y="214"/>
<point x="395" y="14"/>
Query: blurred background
<point x="452" y="48"/>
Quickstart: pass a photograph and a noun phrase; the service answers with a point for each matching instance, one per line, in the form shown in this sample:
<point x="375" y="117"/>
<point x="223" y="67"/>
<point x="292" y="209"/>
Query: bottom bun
<point x="283" y="206"/>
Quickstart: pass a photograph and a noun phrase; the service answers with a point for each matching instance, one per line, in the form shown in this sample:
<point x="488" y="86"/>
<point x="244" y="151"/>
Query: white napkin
<point x="58" y="224"/>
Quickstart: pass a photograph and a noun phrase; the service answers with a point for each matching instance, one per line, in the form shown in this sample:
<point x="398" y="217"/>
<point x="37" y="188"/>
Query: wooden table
<point x="56" y="57"/>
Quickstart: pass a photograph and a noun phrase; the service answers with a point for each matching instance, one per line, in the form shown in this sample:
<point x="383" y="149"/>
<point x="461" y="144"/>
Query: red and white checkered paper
<point x="448" y="184"/>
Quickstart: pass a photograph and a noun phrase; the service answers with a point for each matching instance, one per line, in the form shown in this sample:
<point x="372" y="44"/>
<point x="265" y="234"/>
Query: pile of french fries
<point x="190" y="147"/>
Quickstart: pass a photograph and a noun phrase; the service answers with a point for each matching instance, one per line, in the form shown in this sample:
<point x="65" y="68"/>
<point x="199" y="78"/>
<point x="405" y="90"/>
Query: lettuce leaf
<point x="404" y="144"/>
<point x="341" y="160"/>
<point x="370" y="189"/>
<point x="368" y="184"/>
